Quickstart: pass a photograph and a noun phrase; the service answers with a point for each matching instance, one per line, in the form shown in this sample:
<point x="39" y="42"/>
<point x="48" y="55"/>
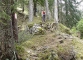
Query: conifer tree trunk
<point x="30" y="10"/>
<point x="47" y="10"/>
<point x="66" y="11"/>
<point x="35" y="7"/>
<point x="14" y="23"/>
<point x="7" y="44"/>
<point x="23" y="6"/>
<point x="56" y="13"/>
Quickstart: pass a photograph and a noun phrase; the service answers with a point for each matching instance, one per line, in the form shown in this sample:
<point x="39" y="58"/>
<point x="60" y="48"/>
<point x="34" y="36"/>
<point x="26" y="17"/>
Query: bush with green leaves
<point x="74" y="31"/>
<point x="80" y="27"/>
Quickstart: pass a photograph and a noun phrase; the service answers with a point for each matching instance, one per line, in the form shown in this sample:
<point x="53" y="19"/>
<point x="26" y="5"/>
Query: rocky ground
<point x="60" y="45"/>
<point x="57" y="45"/>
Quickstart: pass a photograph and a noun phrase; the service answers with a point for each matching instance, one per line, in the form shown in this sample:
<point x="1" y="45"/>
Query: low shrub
<point x="80" y="27"/>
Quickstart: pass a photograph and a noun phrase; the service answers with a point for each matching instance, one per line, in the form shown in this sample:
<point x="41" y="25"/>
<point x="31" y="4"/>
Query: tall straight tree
<point x="60" y="11"/>
<point x="7" y="44"/>
<point x="56" y="13"/>
<point x="30" y="10"/>
<point x="47" y="10"/>
<point x="66" y="9"/>
<point x="35" y="7"/>
<point x="14" y="21"/>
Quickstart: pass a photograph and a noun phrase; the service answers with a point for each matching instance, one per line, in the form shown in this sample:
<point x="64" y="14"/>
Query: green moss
<point x="48" y="55"/>
<point x="44" y="56"/>
<point x="41" y="31"/>
<point x="28" y="44"/>
<point x="64" y="29"/>
<point x="36" y="40"/>
<point x="60" y="48"/>
<point x="78" y="45"/>
<point x="20" y="49"/>
<point x="21" y="52"/>
<point x="30" y="25"/>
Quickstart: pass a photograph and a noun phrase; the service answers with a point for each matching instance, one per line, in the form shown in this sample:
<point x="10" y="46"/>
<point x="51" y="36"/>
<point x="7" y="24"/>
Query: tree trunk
<point x="61" y="16"/>
<point x="55" y="11"/>
<point x="23" y="6"/>
<point x="7" y="44"/>
<point x="66" y="7"/>
<point x="47" y="10"/>
<point x="60" y="11"/>
<point x="56" y="14"/>
<point x="14" y="22"/>
<point x="30" y="10"/>
<point x="14" y="26"/>
<point x="35" y="8"/>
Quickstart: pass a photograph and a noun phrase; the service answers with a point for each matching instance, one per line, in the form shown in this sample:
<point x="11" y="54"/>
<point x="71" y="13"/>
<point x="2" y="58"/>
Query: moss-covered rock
<point x="40" y="31"/>
<point x="30" y="25"/>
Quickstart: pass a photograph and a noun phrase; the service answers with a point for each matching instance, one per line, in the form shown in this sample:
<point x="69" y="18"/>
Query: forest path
<point x="50" y="42"/>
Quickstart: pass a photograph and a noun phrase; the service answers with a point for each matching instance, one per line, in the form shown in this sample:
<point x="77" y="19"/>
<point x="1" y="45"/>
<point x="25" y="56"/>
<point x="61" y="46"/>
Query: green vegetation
<point x="21" y="51"/>
<point x="80" y="27"/>
<point x="37" y="40"/>
<point x="74" y="31"/>
<point x="48" y="55"/>
<point x="34" y="41"/>
<point x="36" y="29"/>
<point x="41" y="31"/>
<point x="78" y="46"/>
<point x="64" y="29"/>
<point x="30" y="25"/>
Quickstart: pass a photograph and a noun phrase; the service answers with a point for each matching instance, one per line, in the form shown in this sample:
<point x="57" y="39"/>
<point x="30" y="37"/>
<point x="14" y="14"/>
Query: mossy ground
<point x="50" y="41"/>
<point x="78" y="45"/>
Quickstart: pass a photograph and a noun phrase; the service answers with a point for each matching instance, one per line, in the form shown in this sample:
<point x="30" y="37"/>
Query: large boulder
<point x="36" y="29"/>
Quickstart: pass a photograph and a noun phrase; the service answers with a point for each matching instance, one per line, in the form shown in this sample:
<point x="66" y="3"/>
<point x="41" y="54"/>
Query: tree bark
<point x="30" y="10"/>
<point x="56" y="13"/>
<point x="66" y="11"/>
<point x="7" y="44"/>
<point x="23" y="6"/>
<point x="14" y="23"/>
<point x="47" y="10"/>
<point x="35" y="8"/>
<point x="15" y="28"/>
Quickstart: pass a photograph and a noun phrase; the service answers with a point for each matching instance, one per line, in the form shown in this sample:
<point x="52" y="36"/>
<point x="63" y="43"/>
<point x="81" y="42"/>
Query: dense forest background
<point x="26" y="35"/>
